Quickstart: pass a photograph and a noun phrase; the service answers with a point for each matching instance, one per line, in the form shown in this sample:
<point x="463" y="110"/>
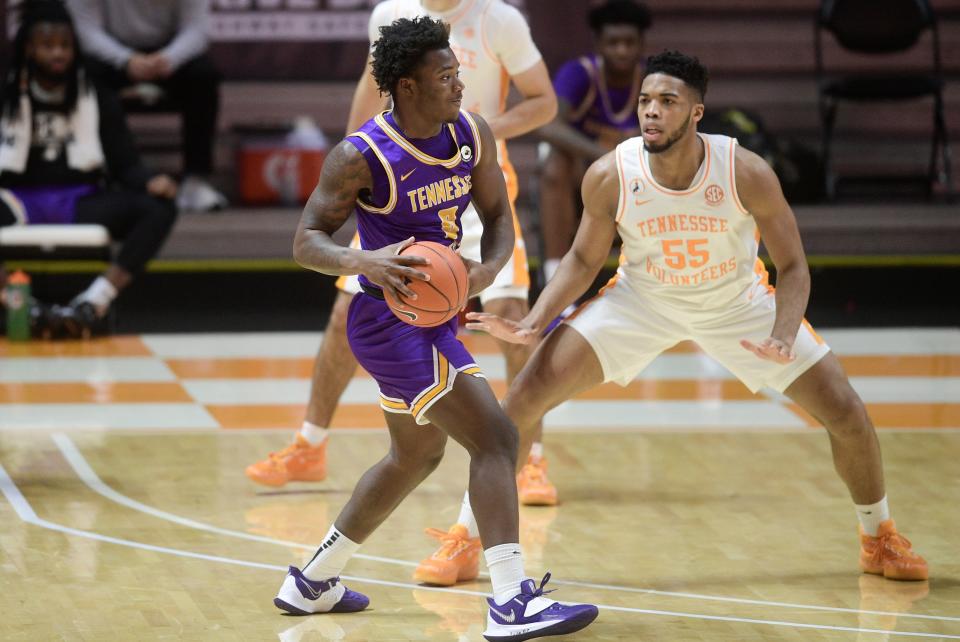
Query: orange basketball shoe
<point x="890" y="554"/>
<point x="297" y="462"/>
<point x="533" y="486"/>
<point x="458" y="560"/>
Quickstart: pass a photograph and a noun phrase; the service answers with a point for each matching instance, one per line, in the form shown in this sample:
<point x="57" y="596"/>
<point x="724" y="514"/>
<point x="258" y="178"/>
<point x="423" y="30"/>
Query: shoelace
<point x="540" y="591"/>
<point x="453" y="544"/>
<point x="892" y="541"/>
<point x="897" y="542"/>
<point x="535" y="474"/>
<point x="283" y="453"/>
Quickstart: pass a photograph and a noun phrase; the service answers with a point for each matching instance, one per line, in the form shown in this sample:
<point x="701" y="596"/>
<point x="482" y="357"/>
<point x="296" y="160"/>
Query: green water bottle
<point x="18" y="307"/>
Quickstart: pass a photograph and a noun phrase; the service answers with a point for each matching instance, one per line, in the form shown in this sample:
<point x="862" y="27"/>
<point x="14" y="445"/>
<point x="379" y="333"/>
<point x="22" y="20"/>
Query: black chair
<point x="881" y="27"/>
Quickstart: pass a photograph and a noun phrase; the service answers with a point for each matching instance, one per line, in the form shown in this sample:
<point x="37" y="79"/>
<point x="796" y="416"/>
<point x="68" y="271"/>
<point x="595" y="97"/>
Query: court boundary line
<point x="26" y="514"/>
<point x="89" y="477"/>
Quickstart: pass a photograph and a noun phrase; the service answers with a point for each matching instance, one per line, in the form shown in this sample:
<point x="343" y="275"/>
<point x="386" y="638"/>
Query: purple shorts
<point x="414" y="367"/>
<point x="55" y="204"/>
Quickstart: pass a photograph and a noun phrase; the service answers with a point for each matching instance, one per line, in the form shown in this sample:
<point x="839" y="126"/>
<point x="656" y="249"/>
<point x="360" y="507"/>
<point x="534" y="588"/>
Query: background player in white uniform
<point x="493" y="45"/>
<point x="688" y="208"/>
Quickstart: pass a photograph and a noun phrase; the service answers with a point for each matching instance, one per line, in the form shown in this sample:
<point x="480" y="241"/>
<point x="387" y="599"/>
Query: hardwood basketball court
<point x="691" y="509"/>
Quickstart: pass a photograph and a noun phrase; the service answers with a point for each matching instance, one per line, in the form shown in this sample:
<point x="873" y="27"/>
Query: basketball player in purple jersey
<point x="597" y="99"/>
<point x="430" y="386"/>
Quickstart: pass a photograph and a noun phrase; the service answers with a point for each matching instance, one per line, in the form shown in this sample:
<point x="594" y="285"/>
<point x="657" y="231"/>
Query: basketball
<point x="439" y="299"/>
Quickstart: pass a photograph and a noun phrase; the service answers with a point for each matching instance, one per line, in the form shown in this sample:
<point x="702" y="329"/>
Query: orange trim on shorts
<point x="816" y="337"/>
<point x="583" y="306"/>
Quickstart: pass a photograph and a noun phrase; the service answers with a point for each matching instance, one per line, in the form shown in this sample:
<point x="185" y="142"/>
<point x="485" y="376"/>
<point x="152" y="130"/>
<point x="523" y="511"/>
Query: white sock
<point x="100" y="294"/>
<point x="466" y="516"/>
<point x="536" y="451"/>
<point x="505" y="563"/>
<point x="870" y="515"/>
<point x="331" y="557"/>
<point x="313" y="433"/>
<point x="550" y="268"/>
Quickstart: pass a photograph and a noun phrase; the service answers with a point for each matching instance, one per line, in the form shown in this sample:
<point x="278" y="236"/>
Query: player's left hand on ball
<point x="503" y="329"/>
<point x="771" y="349"/>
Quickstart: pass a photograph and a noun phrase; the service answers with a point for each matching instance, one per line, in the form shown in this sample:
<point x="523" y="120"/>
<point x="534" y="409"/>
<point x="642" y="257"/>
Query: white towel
<point x="84" y="151"/>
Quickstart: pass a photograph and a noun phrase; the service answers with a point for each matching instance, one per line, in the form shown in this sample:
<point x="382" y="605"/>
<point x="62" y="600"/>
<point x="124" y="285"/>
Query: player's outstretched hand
<point x="771" y="349"/>
<point x="392" y="272"/>
<point x="503" y="329"/>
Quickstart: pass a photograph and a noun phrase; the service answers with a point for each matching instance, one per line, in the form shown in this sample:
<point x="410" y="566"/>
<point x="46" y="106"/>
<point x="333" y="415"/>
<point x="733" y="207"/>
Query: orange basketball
<point x="439" y="299"/>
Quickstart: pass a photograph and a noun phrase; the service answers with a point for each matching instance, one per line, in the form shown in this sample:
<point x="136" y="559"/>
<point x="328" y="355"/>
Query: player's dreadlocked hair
<point x="401" y="47"/>
<point x="32" y="13"/>
<point x="686" y="68"/>
<point x="619" y="12"/>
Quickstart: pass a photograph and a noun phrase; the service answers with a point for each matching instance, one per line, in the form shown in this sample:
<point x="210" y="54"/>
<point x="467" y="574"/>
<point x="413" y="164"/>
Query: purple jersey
<point x="606" y="114"/>
<point x="420" y="189"/>
<point x="420" y="186"/>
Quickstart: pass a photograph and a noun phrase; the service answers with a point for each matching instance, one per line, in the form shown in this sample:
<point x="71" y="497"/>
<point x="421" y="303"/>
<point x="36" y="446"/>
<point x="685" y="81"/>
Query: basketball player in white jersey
<point x="691" y="209"/>
<point x="493" y="45"/>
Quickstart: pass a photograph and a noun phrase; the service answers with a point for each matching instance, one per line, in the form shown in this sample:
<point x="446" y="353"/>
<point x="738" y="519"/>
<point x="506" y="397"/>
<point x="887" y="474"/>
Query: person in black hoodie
<point x="67" y="156"/>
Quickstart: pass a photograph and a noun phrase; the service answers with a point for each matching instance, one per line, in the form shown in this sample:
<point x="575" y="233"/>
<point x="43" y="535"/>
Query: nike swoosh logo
<point x="411" y="315"/>
<point x="403" y="177"/>
<point x="642" y="202"/>
<point x="314" y="593"/>
<point x="506" y="618"/>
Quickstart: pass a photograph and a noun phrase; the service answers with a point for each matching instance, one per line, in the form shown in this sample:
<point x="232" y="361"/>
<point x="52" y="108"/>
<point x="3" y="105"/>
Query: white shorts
<point x="627" y="330"/>
<point x="512" y="282"/>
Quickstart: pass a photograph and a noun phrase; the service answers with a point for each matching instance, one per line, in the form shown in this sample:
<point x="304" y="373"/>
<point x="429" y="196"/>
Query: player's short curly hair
<point x="686" y="68"/>
<point x="619" y="12"/>
<point x="401" y="47"/>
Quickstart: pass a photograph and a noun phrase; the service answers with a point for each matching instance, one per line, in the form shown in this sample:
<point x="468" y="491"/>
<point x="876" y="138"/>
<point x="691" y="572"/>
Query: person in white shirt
<point x="691" y="209"/>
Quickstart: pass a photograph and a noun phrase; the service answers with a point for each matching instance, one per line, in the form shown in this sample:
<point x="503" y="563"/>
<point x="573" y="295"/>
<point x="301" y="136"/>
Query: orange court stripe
<point x="106" y="392"/>
<point x="121" y="346"/>
<point x="289" y="417"/>
<point x="914" y="365"/>
<point x="267" y="368"/>
<point x="902" y="415"/>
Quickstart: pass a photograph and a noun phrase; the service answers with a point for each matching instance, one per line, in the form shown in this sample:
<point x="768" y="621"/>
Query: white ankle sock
<point x="505" y="563"/>
<point x="536" y="451"/>
<point x="331" y="557"/>
<point x="313" y="433"/>
<point x="466" y="516"/>
<point x="100" y="294"/>
<point x="870" y="515"/>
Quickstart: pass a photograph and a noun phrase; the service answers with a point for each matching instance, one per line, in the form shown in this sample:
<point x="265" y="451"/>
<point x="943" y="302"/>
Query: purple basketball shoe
<point x="302" y="596"/>
<point x="530" y="615"/>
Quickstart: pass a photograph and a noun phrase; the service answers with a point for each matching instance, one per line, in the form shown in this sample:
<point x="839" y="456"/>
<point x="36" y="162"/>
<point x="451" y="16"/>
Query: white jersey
<point x="692" y="249"/>
<point x="490" y="38"/>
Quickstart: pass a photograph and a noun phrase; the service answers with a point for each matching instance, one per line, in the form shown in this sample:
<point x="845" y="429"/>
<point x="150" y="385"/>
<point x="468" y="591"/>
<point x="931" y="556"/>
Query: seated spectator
<point x="67" y="156"/>
<point x="144" y="43"/>
<point x="597" y="98"/>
